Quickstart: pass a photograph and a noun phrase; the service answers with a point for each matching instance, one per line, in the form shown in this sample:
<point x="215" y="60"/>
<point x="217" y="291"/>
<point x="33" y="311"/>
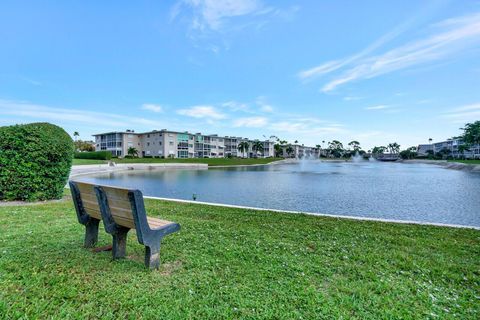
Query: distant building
<point x="173" y="144"/>
<point x="422" y="149"/>
<point x="301" y="151"/>
<point x="451" y="145"/>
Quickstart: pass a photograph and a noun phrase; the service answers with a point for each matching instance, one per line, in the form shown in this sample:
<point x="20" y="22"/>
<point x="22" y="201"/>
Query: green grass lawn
<point x="209" y="161"/>
<point x="234" y="263"/>
<point x="466" y="161"/>
<point x="77" y="162"/>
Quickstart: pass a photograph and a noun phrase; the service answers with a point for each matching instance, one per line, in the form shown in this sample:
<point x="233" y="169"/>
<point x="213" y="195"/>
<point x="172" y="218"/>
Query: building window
<point x="182" y="154"/>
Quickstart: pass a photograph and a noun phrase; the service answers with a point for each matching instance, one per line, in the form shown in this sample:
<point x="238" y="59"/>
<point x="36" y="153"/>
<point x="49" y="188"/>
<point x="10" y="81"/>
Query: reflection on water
<point x="400" y="191"/>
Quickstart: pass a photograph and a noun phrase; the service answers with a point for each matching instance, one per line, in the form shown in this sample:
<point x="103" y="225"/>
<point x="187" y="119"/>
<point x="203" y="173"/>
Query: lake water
<point x="416" y="192"/>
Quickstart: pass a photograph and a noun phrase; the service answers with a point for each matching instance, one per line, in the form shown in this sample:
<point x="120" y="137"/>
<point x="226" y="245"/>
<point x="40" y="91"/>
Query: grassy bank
<point x="466" y="161"/>
<point x="236" y="263"/>
<point x="209" y="161"/>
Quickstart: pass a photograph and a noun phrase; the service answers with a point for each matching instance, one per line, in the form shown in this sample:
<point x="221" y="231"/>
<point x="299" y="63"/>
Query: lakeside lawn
<point x="477" y="161"/>
<point x="210" y="161"/>
<point x="237" y="263"/>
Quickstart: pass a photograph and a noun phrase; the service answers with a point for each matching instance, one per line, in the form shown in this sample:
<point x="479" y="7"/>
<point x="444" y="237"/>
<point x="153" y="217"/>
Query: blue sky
<point x="373" y="71"/>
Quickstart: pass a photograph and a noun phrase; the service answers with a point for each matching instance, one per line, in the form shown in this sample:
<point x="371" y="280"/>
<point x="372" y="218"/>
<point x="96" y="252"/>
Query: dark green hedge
<point x="35" y="161"/>
<point x="98" y="155"/>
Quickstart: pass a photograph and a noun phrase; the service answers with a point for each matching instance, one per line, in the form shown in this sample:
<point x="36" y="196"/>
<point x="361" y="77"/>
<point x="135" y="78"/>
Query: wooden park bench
<point x="120" y="210"/>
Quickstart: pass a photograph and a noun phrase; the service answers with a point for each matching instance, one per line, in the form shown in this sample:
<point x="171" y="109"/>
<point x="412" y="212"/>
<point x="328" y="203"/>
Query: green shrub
<point x="35" y="161"/>
<point x="97" y="155"/>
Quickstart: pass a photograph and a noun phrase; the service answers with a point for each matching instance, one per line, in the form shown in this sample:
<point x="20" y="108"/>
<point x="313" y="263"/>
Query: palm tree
<point x="132" y="152"/>
<point x="336" y="148"/>
<point x="393" y="147"/>
<point x="278" y="146"/>
<point x="355" y="145"/>
<point x="75" y="135"/>
<point x="243" y="147"/>
<point x="396" y="148"/>
<point x="462" y="148"/>
<point x="257" y="146"/>
<point x="278" y="149"/>
<point x="409" y="153"/>
<point x="289" y="150"/>
<point x="378" y="150"/>
<point x="430" y="142"/>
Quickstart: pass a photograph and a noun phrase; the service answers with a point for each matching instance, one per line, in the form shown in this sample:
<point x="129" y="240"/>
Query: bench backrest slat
<point x="118" y="202"/>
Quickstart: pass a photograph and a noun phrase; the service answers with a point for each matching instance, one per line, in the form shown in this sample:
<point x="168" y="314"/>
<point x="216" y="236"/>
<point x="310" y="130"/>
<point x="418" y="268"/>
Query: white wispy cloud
<point x="379" y="107"/>
<point x="250" y="122"/>
<point x="352" y="98"/>
<point x="303" y="127"/>
<point x="333" y="65"/>
<point x="212" y="14"/>
<point x="31" y="81"/>
<point x="208" y="112"/>
<point x="446" y="39"/>
<point x="266" y="108"/>
<point x="37" y="112"/>
<point x="463" y="114"/>
<point x="263" y="105"/>
<point x="236" y="106"/>
<point x="455" y="36"/>
<point x="470" y="107"/>
<point x="152" y="107"/>
<point x="424" y="101"/>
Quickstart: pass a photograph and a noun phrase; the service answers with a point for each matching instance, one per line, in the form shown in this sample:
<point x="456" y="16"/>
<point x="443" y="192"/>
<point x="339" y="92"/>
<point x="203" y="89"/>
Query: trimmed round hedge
<point x="35" y="161"/>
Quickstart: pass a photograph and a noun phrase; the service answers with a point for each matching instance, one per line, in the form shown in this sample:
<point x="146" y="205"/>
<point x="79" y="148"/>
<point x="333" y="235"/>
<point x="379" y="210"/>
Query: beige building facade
<point x="172" y="144"/>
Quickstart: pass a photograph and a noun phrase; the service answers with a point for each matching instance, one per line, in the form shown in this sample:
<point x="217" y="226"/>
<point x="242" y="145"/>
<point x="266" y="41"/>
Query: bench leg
<point x="119" y="247"/>
<point x="91" y="233"/>
<point x="152" y="256"/>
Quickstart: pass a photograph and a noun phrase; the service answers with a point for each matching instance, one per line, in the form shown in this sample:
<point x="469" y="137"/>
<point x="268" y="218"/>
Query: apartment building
<point x="167" y="144"/>
<point x="173" y="144"/>
<point x="301" y="151"/>
<point x="451" y="145"/>
<point x="231" y="146"/>
<point x="117" y="142"/>
<point x="209" y="146"/>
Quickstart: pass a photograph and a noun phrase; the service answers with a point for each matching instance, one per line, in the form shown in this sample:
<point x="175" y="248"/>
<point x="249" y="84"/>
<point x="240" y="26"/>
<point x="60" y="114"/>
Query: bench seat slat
<point x="155" y="222"/>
